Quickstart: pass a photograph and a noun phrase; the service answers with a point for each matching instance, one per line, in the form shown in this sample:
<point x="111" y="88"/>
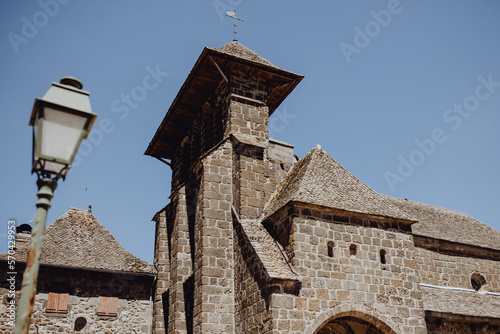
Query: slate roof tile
<point x="236" y="49"/>
<point x="78" y="239"/>
<point x="318" y="179"/>
<point x="445" y="224"/>
<point x="267" y="250"/>
<point x="461" y="302"/>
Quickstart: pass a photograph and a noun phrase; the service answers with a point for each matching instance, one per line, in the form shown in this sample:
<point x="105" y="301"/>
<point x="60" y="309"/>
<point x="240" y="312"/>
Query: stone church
<point x="255" y="240"/>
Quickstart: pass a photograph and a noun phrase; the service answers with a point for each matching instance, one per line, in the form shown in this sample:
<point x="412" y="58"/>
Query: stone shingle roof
<point x="268" y="251"/>
<point x="77" y="239"/>
<point x="445" y="224"/>
<point x="236" y="49"/>
<point x="461" y="302"/>
<point x="320" y="180"/>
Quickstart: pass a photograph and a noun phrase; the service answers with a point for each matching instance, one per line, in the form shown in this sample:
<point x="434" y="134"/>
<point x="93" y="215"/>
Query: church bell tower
<point x="215" y="139"/>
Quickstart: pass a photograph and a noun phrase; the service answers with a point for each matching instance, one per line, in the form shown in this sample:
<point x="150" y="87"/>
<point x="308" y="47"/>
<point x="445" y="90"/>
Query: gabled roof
<point x="77" y="239"/>
<point x="320" y="180"/>
<point x="445" y="224"/>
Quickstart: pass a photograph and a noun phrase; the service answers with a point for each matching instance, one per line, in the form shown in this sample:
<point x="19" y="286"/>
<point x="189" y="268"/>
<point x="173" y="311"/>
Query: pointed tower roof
<point x="237" y="50"/>
<point x="212" y="67"/>
<point x="77" y="239"/>
<point x="320" y="180"/>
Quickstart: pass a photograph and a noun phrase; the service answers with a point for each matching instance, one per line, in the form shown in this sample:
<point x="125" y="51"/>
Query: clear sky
<point x="404" y="94"/>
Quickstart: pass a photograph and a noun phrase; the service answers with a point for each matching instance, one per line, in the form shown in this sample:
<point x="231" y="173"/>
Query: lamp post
<point x="60" y="120"/>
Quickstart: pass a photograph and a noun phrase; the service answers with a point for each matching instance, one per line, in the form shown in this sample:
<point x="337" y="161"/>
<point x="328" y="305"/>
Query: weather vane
<point x="233" y="15"/>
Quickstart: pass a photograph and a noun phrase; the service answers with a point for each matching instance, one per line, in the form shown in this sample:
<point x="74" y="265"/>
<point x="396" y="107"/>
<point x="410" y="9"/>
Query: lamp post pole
<point x="60" y="120"/>
<point x="46" y="187"/>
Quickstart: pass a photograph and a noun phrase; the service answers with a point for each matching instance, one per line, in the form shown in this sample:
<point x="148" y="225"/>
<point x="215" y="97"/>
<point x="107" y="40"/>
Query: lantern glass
<point x="61" y="134"/>
<point x="60" y="120"/>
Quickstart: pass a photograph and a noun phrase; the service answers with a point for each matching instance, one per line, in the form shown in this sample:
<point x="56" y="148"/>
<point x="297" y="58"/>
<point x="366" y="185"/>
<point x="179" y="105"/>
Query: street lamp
<point x="60" y="120"/>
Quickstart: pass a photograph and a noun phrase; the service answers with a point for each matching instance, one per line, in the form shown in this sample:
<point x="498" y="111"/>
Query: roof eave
<point x="293" y="203"/>
<point x="110" y="271"/>
<point x="209" y="54"/>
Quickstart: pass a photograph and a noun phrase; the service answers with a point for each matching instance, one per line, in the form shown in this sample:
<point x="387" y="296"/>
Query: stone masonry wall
<point x="455" y="271"/>
<point x="162" y="265"/>
<point x="254" y="180"/>
<point x="347" y="283"/>
<point x="134" y="305"/>
<point x="251" y="287"/>
<point x="247" y="117"/>
<point x="213" y="237"/>
<point x="180" y="264"/>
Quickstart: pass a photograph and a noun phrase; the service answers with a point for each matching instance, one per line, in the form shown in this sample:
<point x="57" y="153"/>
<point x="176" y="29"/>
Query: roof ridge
<point x="282" y="185"/>
<point x="313" y="153"/>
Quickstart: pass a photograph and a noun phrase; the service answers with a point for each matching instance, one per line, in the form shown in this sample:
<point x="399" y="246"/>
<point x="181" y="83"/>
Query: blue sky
<point x="404" y="94"/>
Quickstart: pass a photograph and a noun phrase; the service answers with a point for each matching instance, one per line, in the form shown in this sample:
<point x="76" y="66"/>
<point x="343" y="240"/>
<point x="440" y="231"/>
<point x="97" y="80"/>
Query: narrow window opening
<point x="352" y="250"/>
<point x="477" y="281"/>
<point x="382" y="256"/>
<point x="330" y="248"/>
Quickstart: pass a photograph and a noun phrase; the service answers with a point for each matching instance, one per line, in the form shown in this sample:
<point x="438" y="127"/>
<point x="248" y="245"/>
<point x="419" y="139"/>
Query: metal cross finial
<point x="233" y="15"/>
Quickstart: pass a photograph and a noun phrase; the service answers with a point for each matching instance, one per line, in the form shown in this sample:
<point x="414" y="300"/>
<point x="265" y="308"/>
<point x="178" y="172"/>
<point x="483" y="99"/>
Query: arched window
<point x="352" y="250"/>
<point x="477" y="281"/>
<point x="330" y="248"/>
<point x="382" y="256"/>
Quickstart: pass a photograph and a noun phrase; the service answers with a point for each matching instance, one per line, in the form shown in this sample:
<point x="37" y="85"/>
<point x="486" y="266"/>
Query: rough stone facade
<point x="85" y="287"/>
<point x="353" y="275"/>
<point x="261" y="242"/>
<point x="83" y="262"/>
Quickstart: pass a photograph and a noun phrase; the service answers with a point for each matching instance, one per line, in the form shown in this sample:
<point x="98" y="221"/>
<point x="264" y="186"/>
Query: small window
<point x="382" y="256"/>
<point x="57" y="302"/>
<point x="108" y="306"/>
<point x="352" y="250"/>
<point x="330" y="248"/>
<point x="477" y="281"/>
<point x="80" y="324"/>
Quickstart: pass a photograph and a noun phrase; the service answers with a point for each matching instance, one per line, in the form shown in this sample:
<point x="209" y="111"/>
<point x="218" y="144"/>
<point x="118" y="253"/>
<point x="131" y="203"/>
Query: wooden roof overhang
<point x="210" y="69"/>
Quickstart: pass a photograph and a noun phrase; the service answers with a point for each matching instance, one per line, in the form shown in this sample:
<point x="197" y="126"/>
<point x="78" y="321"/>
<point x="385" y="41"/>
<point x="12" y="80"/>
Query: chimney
<point x="23" y="236"/>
